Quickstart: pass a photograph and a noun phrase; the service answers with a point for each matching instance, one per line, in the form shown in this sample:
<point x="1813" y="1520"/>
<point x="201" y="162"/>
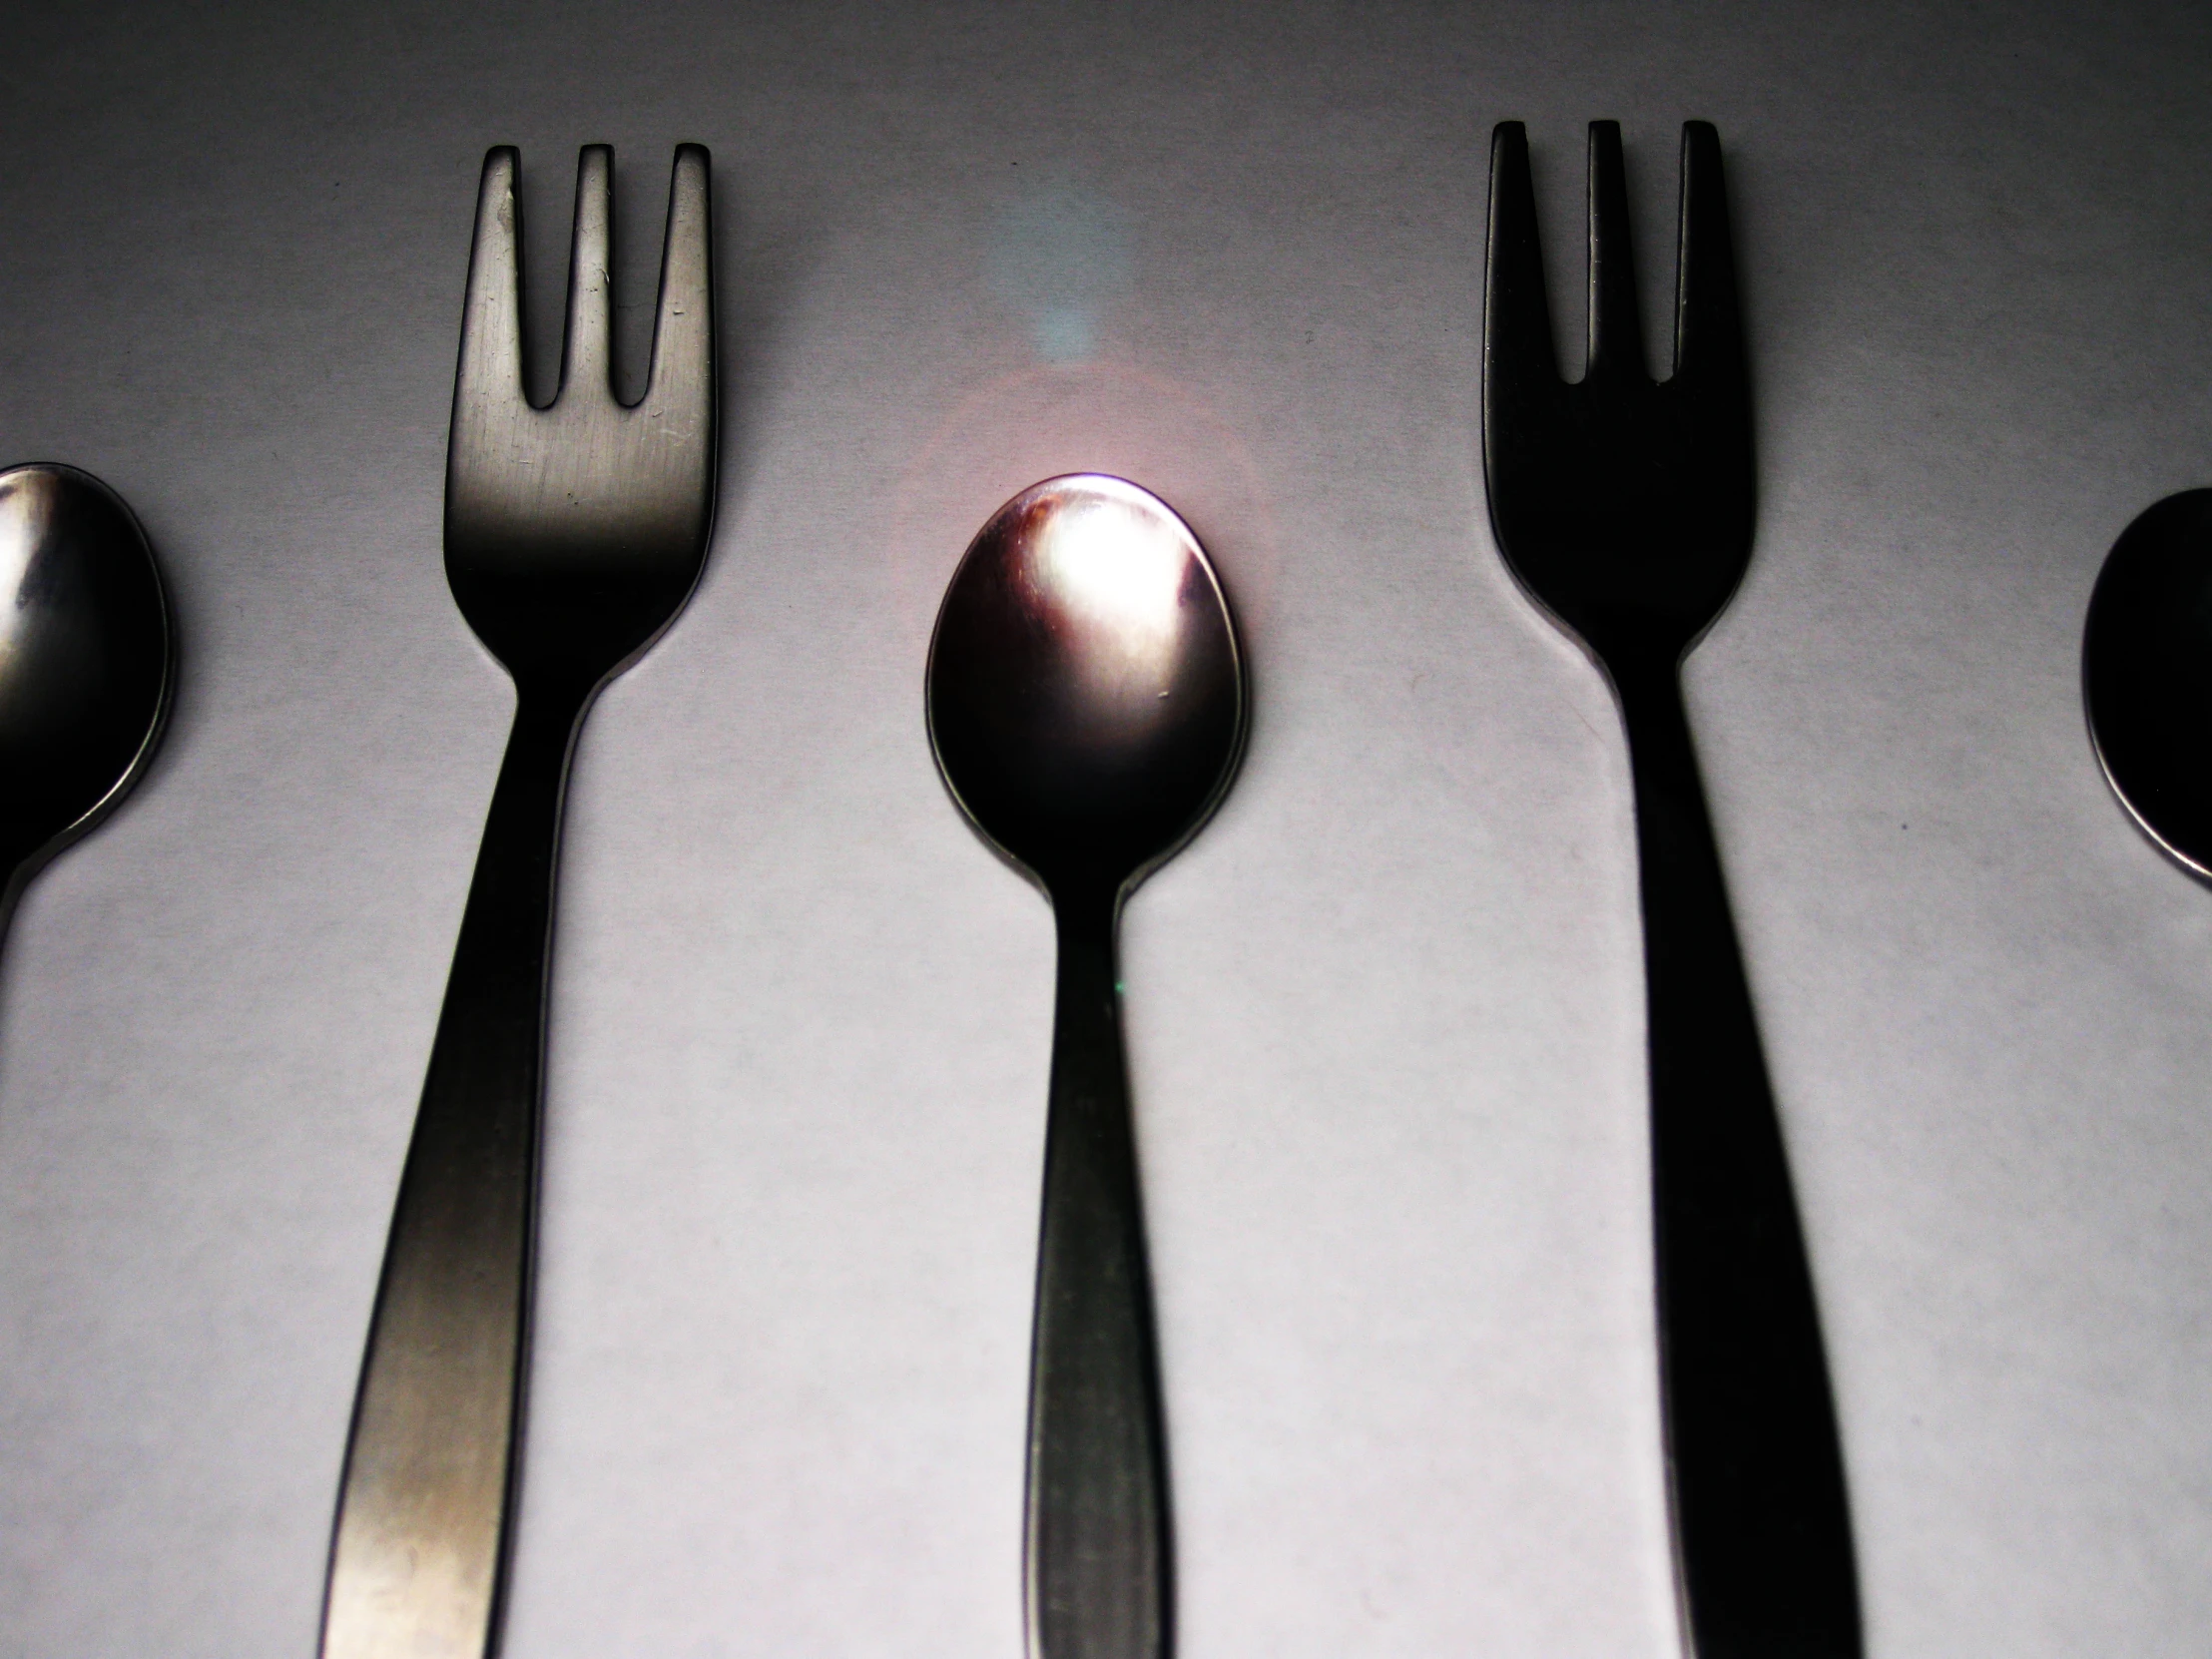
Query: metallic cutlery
<point x="1625" y="508"/>
<point x="574" y="534"/>
<point x="1086" y="704"/>
<point x="88" y="663"/>
<point x="2146" y="675"/>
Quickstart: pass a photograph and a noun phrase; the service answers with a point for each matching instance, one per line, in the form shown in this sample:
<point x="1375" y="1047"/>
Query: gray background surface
<point x="1384" y="1015"/>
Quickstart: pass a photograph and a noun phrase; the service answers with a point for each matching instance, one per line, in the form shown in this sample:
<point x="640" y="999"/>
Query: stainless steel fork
<point x="573" y="536"/>
<point x="1625" y="509"/>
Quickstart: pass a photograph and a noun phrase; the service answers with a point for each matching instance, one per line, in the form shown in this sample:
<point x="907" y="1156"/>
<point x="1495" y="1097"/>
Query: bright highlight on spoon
<point x="1116" y="564"/>
<point x="25" y="511"/>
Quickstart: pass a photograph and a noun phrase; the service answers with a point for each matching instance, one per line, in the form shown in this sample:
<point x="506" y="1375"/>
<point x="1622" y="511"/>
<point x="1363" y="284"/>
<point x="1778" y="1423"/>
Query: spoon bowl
<point x="2146" y="675"/>
<point x="1086" y="702"/>
<point x="1085" y="696"/>
<point x="87" y="662"/>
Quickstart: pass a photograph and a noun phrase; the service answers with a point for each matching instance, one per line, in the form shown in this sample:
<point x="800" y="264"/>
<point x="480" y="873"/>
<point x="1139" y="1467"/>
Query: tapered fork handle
<point x="1762" y="1534"/>
<point x="418" y="1558"/>
<point x="1097" y="1548"/>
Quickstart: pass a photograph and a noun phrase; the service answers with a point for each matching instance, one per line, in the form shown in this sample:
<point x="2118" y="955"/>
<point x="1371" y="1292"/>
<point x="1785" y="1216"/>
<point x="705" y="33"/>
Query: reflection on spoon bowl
<point x="87" y="663"/>
<point x="2146" y="675"/>
<point x="1086" y="701"/>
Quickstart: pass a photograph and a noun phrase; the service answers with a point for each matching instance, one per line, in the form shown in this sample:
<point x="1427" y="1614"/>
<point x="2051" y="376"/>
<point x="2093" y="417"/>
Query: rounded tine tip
<point x="1708" y="324"/>
<point x="588" y="361"/>
<point x="1516" y="315"/>
<point x="1616" y="333"/>
<point x="682" y="342"/>
<point x="491" y="325"/>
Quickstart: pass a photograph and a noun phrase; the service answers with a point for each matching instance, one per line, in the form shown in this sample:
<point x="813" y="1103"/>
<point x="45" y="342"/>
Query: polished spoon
<point x="2146" y="675"/>
<point x="87" y="663"/>
<point x="1087" y="706"/>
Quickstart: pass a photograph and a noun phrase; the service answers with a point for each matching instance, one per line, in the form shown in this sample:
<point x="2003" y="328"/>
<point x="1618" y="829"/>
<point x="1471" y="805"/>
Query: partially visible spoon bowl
<point x="87" y="663"/>
<point x="2146" y="675"/>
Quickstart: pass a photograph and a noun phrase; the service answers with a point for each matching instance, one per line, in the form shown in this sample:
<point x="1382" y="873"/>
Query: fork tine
<point x="491" y="325"/>
<point x="1616" y="330"/>
<point x="1517" y="357"/>
<point x="1708" y="325"/>
<point x="587" y="362"/>
<point x="684" y="335"/>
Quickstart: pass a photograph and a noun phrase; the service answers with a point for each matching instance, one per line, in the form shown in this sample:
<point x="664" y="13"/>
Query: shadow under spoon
<point x="87" y="663"/>
<point x="1087" y="706"/>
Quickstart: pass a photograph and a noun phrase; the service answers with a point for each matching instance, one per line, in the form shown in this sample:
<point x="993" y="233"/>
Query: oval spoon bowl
<point x="87" y="662"/>
<point x="2146" y="675"/>
<point x="1086" y="697"/>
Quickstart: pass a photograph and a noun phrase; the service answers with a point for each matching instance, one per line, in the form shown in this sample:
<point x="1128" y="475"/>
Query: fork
<point x="574" y="534"/>
<point x="1625" y="508"/>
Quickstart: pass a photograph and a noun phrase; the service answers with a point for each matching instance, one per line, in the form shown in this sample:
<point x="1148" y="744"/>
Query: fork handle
<point x="1761" y="1526"/>
<point x="419" y="1554"/>
<point x="1096" y="1535"/>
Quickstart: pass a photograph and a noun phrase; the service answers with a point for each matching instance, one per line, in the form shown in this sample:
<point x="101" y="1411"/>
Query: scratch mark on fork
<point x="1586" y="725"/>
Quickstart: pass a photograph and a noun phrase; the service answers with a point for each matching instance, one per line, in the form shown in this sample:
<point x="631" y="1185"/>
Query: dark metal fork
<point x="1625" y="508"/>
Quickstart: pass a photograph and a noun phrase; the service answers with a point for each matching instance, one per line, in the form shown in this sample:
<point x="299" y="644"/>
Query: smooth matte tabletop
<point x="1386" y="1012"/>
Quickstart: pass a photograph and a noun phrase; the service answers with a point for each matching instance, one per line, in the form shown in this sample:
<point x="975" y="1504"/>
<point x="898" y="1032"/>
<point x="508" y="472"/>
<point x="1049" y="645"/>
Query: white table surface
<point x="1384" y="1015"/>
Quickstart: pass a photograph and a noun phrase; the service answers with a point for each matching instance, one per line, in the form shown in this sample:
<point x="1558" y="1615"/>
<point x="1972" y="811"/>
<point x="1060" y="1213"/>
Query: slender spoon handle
<point x="1762" y="1530"/>
<point x="418" y="1558"/>
<point x="1097" y="1578"/>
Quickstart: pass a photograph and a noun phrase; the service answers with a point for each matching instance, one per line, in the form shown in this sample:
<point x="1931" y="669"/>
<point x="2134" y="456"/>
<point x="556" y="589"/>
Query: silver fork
<point x="1626" y="509"/>
<point x="573" y="536"/>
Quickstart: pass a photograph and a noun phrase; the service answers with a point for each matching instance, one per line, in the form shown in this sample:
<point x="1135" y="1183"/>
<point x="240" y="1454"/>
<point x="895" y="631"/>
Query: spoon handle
<point x="1097" y="1559"/>
<point x="418" y="1558"/>
<point x="1762" y="1530"/>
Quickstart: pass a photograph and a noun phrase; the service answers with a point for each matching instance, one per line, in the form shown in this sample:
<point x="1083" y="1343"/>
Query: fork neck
<point x="1675" y="827"/>
<point x="1643" y="669"/>
<point x="533" y="777"/>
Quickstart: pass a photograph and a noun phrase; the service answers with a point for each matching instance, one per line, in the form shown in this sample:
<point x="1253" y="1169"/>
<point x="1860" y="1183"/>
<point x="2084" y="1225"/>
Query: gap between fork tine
<point x="490" y="373"/>
<point x="1708" y="325"/>
<point x="587" y="359"/>
<point x="1518" y="364"/>
<point x="1616" y="328"/>
<point x="684" y="334"/>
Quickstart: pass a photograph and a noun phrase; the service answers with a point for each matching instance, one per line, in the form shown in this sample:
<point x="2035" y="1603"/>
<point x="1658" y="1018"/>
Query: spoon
<point x="1087" y="705"/>
<point x="86" y="662"/>
<point x="2146" y="675"/>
